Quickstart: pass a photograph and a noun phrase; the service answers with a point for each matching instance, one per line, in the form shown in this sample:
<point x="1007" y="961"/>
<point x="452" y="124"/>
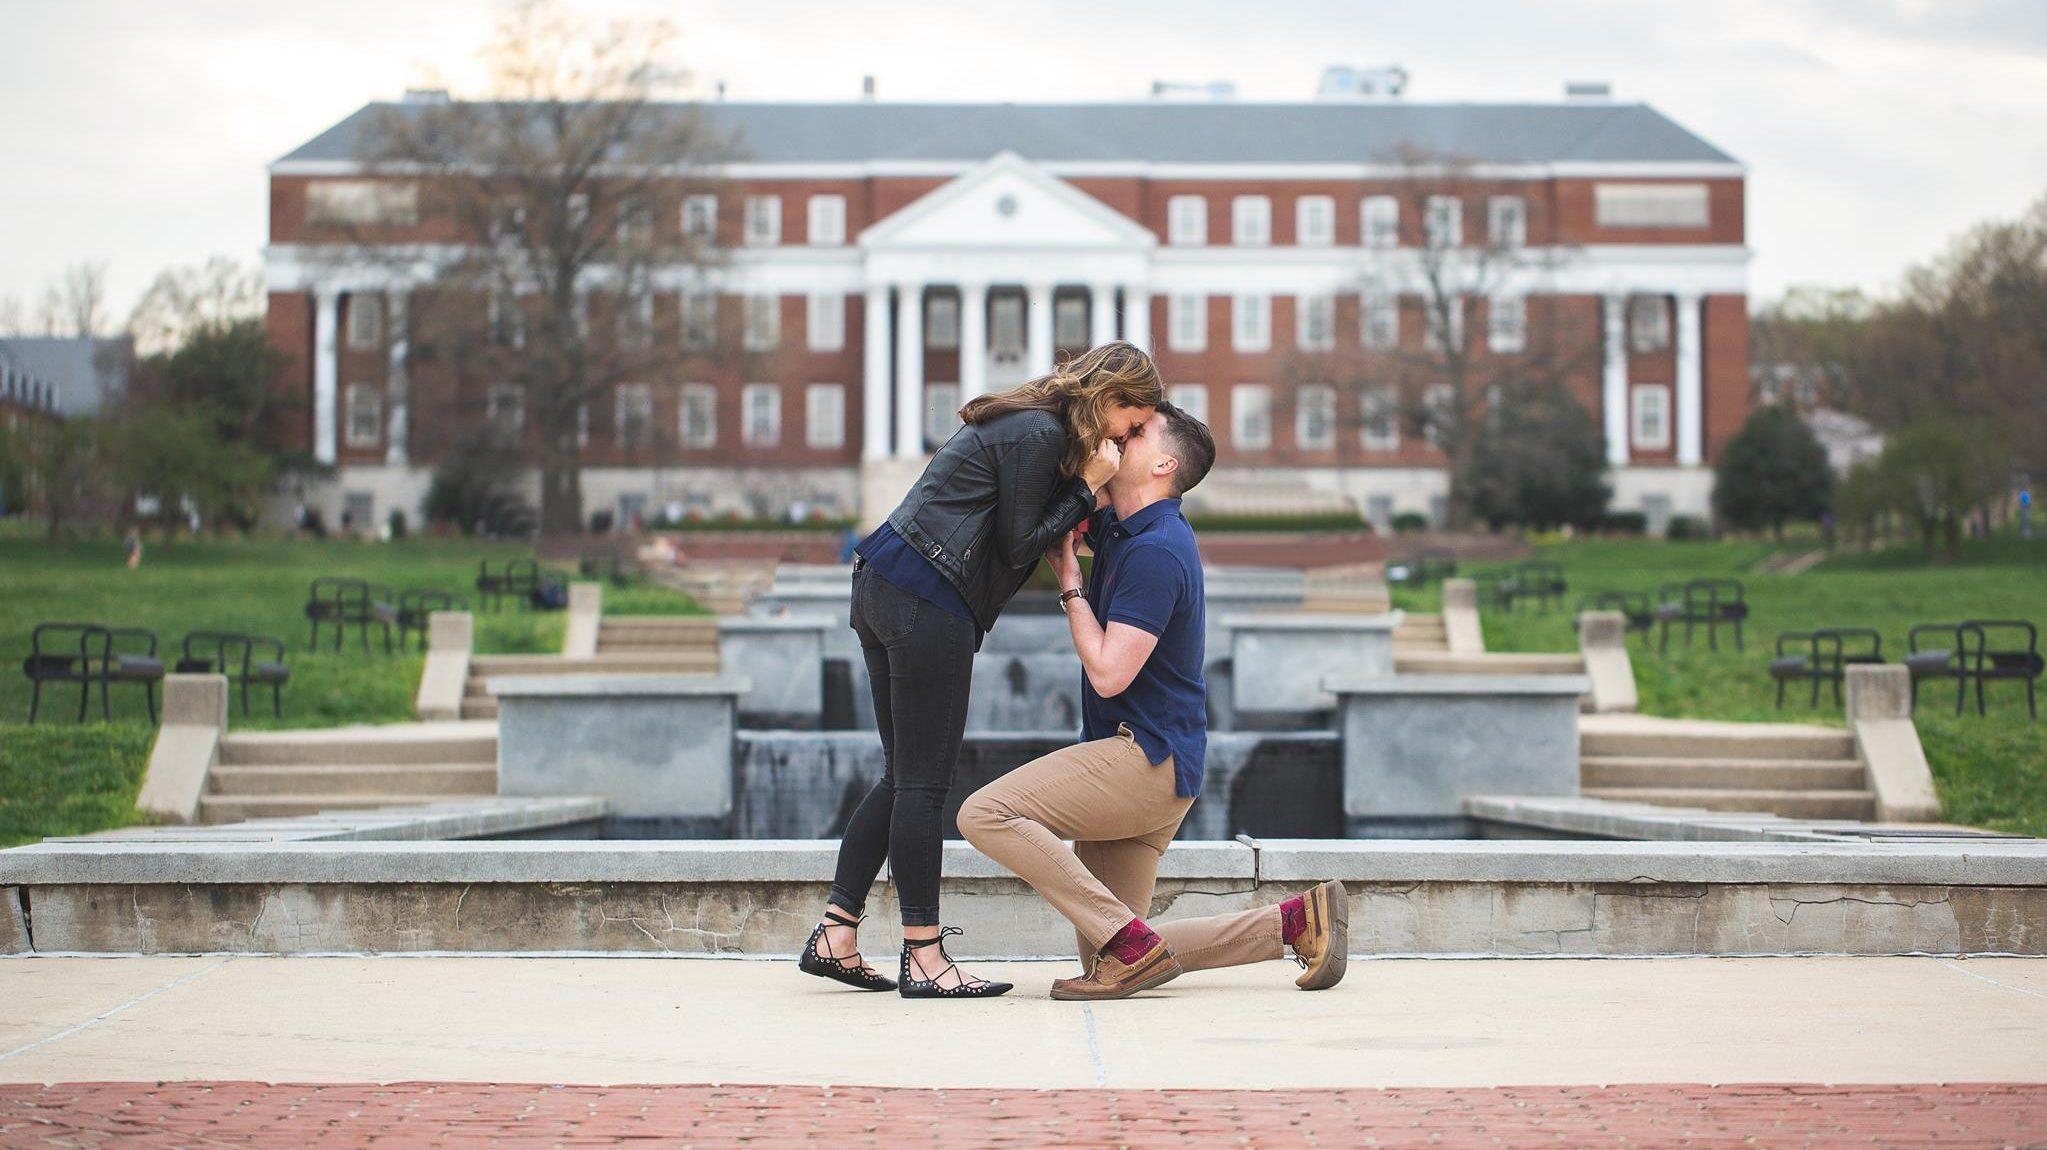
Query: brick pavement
<point x="455" y="1114"/>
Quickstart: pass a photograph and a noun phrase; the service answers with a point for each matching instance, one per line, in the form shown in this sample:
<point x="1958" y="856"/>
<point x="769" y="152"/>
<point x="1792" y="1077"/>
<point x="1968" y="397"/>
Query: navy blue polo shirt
<point x="1147" y="573"/>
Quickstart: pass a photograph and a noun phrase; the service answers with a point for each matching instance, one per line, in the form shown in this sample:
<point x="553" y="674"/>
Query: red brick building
<point x="896" y="259"/>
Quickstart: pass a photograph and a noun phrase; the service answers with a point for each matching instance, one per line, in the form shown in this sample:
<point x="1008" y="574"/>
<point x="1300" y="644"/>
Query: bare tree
<point x="1438" y="381"/>
<point x="13" y="316"/>
<point x="184" y="300"/>
<point x="558" y="205"/>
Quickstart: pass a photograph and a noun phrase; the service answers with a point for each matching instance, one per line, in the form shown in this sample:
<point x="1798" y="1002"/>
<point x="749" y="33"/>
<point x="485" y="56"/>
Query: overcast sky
<point x="136" y="131"/>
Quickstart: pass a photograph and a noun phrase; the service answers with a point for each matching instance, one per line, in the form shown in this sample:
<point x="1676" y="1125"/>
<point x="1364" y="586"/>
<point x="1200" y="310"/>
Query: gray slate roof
<point x="1167" y="132"/>
<point x="88" y="373"/>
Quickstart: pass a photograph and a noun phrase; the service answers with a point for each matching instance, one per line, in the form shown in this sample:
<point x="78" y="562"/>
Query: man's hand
<point x="1065" y="561"/>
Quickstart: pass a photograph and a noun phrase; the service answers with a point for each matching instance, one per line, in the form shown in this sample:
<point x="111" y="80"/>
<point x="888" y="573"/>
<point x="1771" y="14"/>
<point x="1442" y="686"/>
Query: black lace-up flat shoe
<point x="824" y="964"/>
<point x="963" y="986"/>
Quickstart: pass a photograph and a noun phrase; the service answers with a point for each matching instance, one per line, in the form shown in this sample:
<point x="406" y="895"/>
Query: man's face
<point x="1143" y="448"/>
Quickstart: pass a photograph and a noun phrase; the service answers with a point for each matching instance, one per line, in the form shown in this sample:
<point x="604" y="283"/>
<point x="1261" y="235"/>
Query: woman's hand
<point x="1103" y="465"/>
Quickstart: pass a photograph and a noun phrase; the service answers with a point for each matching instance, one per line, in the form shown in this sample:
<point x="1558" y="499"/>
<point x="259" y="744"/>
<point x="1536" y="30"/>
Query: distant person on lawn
<point x="1121" y="793"/>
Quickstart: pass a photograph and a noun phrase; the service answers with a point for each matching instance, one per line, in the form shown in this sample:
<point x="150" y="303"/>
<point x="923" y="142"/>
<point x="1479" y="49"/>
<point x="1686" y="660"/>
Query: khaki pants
<point x="1120" y="811"/>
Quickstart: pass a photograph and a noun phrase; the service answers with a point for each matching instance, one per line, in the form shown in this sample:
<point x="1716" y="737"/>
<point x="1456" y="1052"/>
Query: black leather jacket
<point x="988" y="505"/>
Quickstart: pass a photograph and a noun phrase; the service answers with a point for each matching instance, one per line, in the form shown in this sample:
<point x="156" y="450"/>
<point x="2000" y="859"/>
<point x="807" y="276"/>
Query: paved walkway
<point x="1392" y="1023"/>
<point x="180" y="1115"/>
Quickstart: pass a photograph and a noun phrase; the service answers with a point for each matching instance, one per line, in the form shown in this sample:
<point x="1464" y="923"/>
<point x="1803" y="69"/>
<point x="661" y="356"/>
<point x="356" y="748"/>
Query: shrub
<point x="1537" y="462"/>
<point x="1773" y="472"/>
<point x="1686" y="527"/>
<point x="601" y="521"/>
<point x="1408" y="522"/>
<point x="1625" y="523"/>
<point x="396" y="522"/>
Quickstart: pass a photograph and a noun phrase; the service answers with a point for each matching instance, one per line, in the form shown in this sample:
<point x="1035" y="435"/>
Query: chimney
<point x="867" y="87"/>
<point x="1588" y="90"/>
<point x="426" y="96"/>
<point x="721" y="91"/>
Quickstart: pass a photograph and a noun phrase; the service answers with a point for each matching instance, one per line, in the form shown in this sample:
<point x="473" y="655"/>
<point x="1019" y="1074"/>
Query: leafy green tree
<point x="1537" y="461"/>
<point x="1772" y="472"/>
<point x="56" y="463"/>
<point x="228" y="370"/>
<point x="476" y="485"/>
<point x="1937" y="470"/>
<point x="180" y="459"/>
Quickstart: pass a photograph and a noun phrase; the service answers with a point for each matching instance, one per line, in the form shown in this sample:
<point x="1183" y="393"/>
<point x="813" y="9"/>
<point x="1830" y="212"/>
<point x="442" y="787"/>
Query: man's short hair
<point x="1188" y="441"/>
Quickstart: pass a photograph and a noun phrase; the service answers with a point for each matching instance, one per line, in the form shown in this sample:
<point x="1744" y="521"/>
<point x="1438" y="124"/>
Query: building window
<point x="1191" y="398"/>
<point x="825" y="321"/>
<point x="1651" y="416"/>
<point x="1507" y="323"/>
<point x="1379" y="320"/>
<point x="507" y="320"/>
<point x="1380" y="430"/>
<point x="827" y="221"/>
<point x="1069" y="321"/>
<point x="1650" y="206"/>
<point x="1315" y="418"/>
<point x="1251" y="416"/>
<point x="1006" y="325"/>
<point x="633" y="415"/>
<point x="1380" y="222"/>
<point x="1315" y="322"/>
<point x="1445" y="222"/>
<point x="697" y="416"/>
<point x="1251" y="221"/>
<point x="1648" y="323"/>
<point x="365" y="414"/>
<point x="1187" y="221"/>
<point x="582" y="426"/>
<point x="1251" y="323"/>
<point x="1187" y="323"/>
<point x="1439" y="410"/>
<point x="824" y="415"/>
<point x="359" y="202"/>
<point x="763" y="221"/>
<point x="941" y="320"/>
<point x="760" y="408"/>
<point x="699" y="321"/>
<point x="941" y="413"/>
<point x="763" y="322"/>
<point x="1315" y="221"/>
<point x="1507" y="221"/>
<point x="1445" y="329"/>
<point x="700" y="219"/>
<point x="636" y="321"/>
<point x="635" y="222"/>
<point x="365" y="319"/>
<point x="506" y="408"/>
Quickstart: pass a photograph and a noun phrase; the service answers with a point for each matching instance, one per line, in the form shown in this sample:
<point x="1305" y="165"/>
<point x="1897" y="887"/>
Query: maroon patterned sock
<point x="1131" y="943"/>
<point x="1293" y="919"/>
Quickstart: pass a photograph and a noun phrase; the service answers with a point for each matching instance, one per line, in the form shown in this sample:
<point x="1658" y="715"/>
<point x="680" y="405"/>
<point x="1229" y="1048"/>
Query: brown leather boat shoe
<point x="1323" y="948"/>
<point x="1110" y="978"/>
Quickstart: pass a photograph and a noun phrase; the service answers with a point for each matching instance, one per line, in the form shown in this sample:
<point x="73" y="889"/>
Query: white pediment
<point x="1005" y="203"/>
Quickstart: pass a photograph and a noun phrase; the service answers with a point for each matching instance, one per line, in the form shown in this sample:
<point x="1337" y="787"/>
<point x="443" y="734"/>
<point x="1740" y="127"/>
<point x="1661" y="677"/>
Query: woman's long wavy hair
<point x="1080" y="392"/>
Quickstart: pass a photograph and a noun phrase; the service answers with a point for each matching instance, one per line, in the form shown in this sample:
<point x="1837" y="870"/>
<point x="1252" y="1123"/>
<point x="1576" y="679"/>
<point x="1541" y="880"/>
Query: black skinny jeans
<point x="920" y="663"/>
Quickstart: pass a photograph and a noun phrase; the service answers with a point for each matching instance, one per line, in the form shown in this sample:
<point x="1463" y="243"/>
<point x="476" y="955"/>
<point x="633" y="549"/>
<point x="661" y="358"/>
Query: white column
<point x="326" y="370"/>
<point x="874" y="396"/>
<point x="1691" y="411"/>
<point x="1614" y="399"/>
<point x="1137" y="317"/>
<point x="973" y="340"/>
<point x="1038" y="330"/>
<point x="397" y="386"/>
<point x="1101" y="300"/>
<point x="910" y="371"/>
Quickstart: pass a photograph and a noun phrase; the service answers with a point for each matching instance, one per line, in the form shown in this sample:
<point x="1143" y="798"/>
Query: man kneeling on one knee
<point x="1120" y="795"/>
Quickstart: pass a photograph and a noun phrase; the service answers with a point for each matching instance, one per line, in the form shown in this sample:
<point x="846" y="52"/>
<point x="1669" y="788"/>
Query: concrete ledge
<point x="13" y="929"/>
<point x="1614" y="819"/>
<point x="610" y="685"/>
<point x="454" y="818"/>
<point x="444" y="679"/>
<point x="586" y="614"/>
<point x="186" y="748"/>
<point x="1456" y="684"/>
<point x="1995" y="863"/>
<point x="1603" y="640"/>
<point x="1462" y="630"/>
<point x="1879" y="707"/>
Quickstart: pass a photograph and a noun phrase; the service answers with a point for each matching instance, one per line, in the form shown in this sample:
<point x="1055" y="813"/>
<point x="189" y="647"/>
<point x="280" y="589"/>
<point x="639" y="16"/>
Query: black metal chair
<point x="340" y="601"/>
<point x="1423" y="567"/>
<point x="1542" y="581"/>
<point x="2006" y="649"/>
<point x="1633" y="606"/>
<point x="515" y="579"/>
<point x="85" y="653"/>
<point x="1829" y="652"/>
<point x="609" y="566"/>
<point x="1708" y="603"/>
<point x="244" y="659"/>
<point x="416" y="607"/>
<point x="1497" y="589"/>
<point x="1941" y="651"/>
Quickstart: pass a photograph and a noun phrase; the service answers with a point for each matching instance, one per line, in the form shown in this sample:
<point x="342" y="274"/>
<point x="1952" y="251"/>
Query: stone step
<point x="1486" y="663"/>
<point x="350" y="778"/>
<point x="696" y="624"/>
<point x="216" y="809"/>
<point x="483" y="708"/>
<point x="1843" y="804"/>
<point x="631" y="662"/>
<point x="1759" y="741"/>
<point x="637" y="641"/>
<point x="1723" y="774"/>
<point x="436" y="742"/>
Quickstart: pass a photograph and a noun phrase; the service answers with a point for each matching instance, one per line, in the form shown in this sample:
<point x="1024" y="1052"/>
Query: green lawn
<point x="59" y="777"/>
<point x="1992" y="771"/>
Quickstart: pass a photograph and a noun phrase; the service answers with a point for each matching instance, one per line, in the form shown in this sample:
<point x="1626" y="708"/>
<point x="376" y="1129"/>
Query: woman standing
<point x="1023" y="470"/>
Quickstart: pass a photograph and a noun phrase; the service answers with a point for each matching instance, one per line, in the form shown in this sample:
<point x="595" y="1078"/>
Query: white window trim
<point x="1309" y="396"/>
<point x="827" y="224"/>
<point x="1304" y="307"/>
<point x="1504" y="337"/>
<point x="365" y="320"/>
<point x="1443" y="222"/>
<point x="1065" y="306"/>
<point x="1377" y="300"/>
<point x="517" y="406"/>
<point x="1380" y="403"/>
<point x="833" y="396"/>
<point x="1501" y="211"/>
<point x="1621" y="205"/>
<point x="1384" y="238"/>
<point x="941" y="411"/>
<point x="1191" y="398"/>
<point x="941" y="321"/>
<point x="1437" y="398"/>
<point x="1431" y="337"/>
<point x="1245" y="336"/>
<point x="708" y="203"/>
<point x="708" y="303"/>
<point x="747" y="396"/>
<point x="763" y="322"/>
<point x="635" y="321"/>
<point x="1190" y="312"/>
<point x="1251" y="221"/>
<point x="620" y="408"/>
<point x="1310" y="238"/>
<point x="1187" y="221"/>
<point x="709" y="397"/>
<point x="825" y="321"/>
<point x="356" y="393"/>
<point x="1637" y="392"/>
<point x="1646" y="338"/>
<point x="763" y="221"/>
<point x="1241" y="402"/>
